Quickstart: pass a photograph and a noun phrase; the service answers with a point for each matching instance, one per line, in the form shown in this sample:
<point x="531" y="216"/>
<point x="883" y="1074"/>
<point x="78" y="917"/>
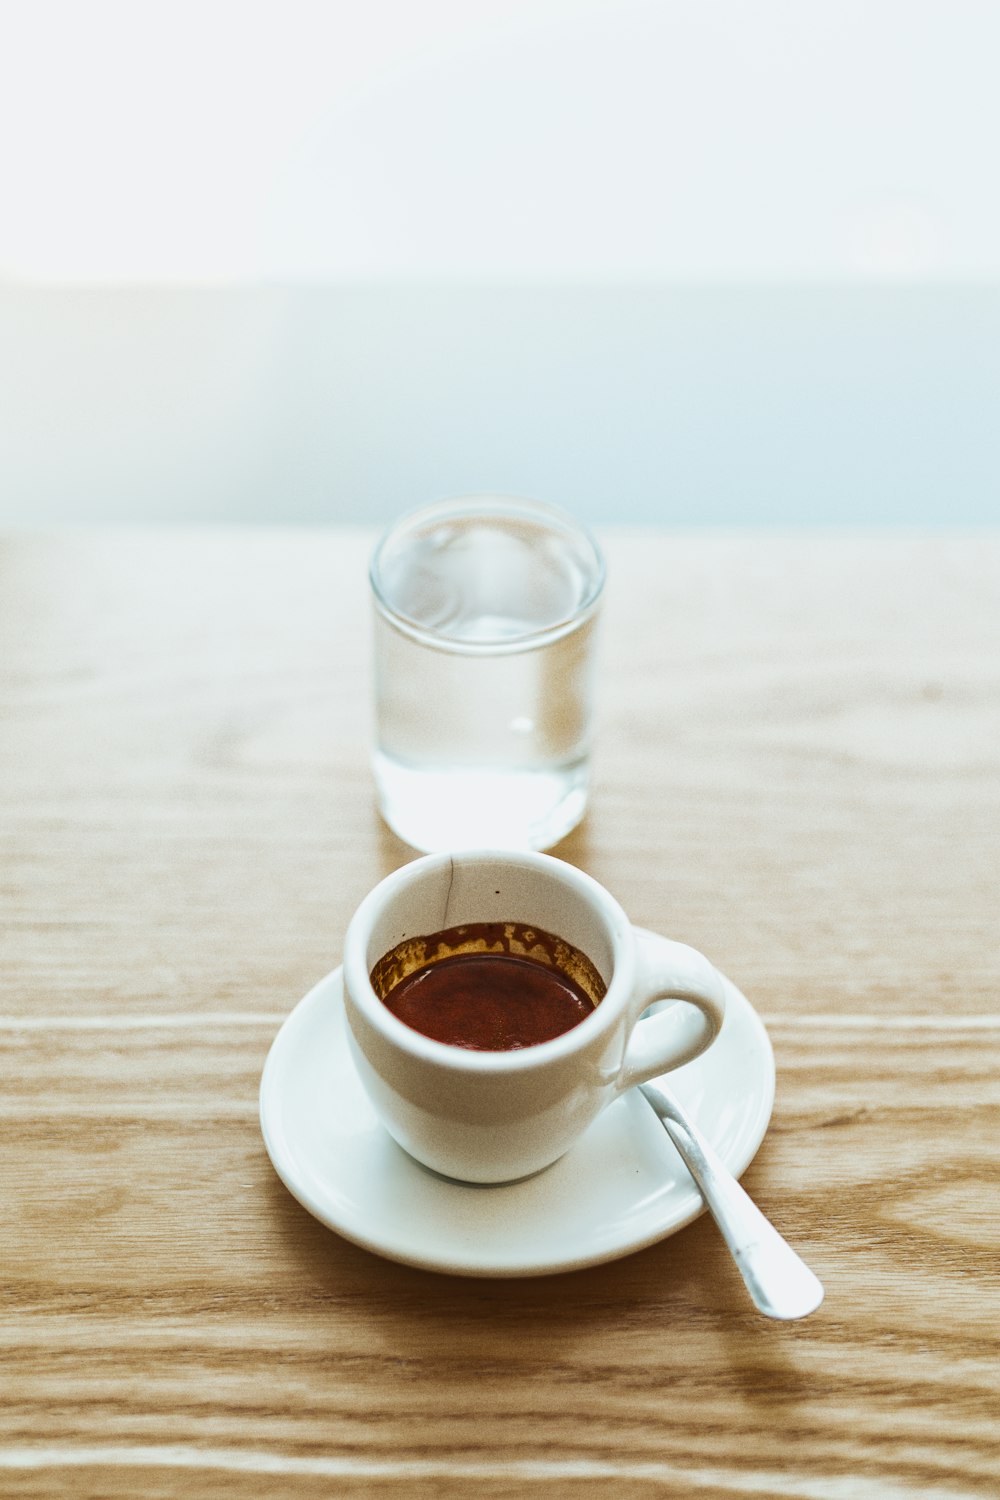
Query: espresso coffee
<point x="488" y="986"/>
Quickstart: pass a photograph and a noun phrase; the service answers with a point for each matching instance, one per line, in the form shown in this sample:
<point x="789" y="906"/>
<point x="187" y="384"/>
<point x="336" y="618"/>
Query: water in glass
<point x="483" y="667"/>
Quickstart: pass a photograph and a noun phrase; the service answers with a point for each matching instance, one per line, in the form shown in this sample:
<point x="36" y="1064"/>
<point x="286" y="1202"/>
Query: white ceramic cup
<point x="497" y="1116"/>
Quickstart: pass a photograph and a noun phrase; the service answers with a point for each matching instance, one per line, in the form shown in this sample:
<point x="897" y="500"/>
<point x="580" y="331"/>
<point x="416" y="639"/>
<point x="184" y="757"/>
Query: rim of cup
<point x="356" y="966"/>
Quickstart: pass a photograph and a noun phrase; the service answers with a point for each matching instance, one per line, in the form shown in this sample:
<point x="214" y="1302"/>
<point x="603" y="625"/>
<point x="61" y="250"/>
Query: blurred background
<point x="698" y="262"/>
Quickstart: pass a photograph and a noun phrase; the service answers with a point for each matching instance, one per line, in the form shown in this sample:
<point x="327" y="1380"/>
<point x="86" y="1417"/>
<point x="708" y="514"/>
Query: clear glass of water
<point x="485" y="613"/>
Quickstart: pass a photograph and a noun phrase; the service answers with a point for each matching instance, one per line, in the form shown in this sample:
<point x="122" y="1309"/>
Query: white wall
<point x="711" y="261"/>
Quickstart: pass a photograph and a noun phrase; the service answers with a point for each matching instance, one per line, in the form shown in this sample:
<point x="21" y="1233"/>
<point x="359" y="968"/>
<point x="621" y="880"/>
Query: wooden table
<point x="797" y="772"/>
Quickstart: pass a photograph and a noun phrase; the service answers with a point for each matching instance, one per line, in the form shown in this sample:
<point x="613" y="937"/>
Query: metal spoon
<point x="781" y="1285"/>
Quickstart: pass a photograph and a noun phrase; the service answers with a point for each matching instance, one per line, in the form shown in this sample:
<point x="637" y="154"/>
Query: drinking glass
<point x="485" y="615"/>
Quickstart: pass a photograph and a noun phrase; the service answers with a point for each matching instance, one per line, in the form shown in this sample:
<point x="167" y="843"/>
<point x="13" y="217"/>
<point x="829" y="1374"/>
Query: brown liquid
<point x="484" y="996"/>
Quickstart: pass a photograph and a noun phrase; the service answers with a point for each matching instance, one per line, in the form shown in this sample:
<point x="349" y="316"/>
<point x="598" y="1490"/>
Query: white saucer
<point x="621" y="1187"/>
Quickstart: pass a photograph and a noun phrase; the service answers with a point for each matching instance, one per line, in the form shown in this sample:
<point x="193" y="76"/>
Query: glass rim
<point x="479" y="506"/>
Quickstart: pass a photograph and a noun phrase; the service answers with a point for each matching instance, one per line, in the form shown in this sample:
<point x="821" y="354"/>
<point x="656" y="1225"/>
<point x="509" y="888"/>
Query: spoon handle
<point x="780" y="1284"/>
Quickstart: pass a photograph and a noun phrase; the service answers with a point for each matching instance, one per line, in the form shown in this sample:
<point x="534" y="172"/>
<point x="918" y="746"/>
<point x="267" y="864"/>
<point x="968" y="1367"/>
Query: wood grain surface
<point x="798" y="771"/>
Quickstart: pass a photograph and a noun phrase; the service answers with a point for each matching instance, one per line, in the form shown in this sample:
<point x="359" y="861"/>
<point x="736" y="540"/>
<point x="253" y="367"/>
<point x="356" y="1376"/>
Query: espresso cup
<point x="497" y="1115"/>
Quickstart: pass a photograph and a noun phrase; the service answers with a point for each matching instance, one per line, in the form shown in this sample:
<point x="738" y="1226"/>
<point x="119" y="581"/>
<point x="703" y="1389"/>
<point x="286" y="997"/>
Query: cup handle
<point x="671" y="971"/>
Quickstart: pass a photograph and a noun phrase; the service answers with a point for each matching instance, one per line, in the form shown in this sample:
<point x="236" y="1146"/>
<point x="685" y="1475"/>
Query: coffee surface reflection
<point x="488" y="986"/>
